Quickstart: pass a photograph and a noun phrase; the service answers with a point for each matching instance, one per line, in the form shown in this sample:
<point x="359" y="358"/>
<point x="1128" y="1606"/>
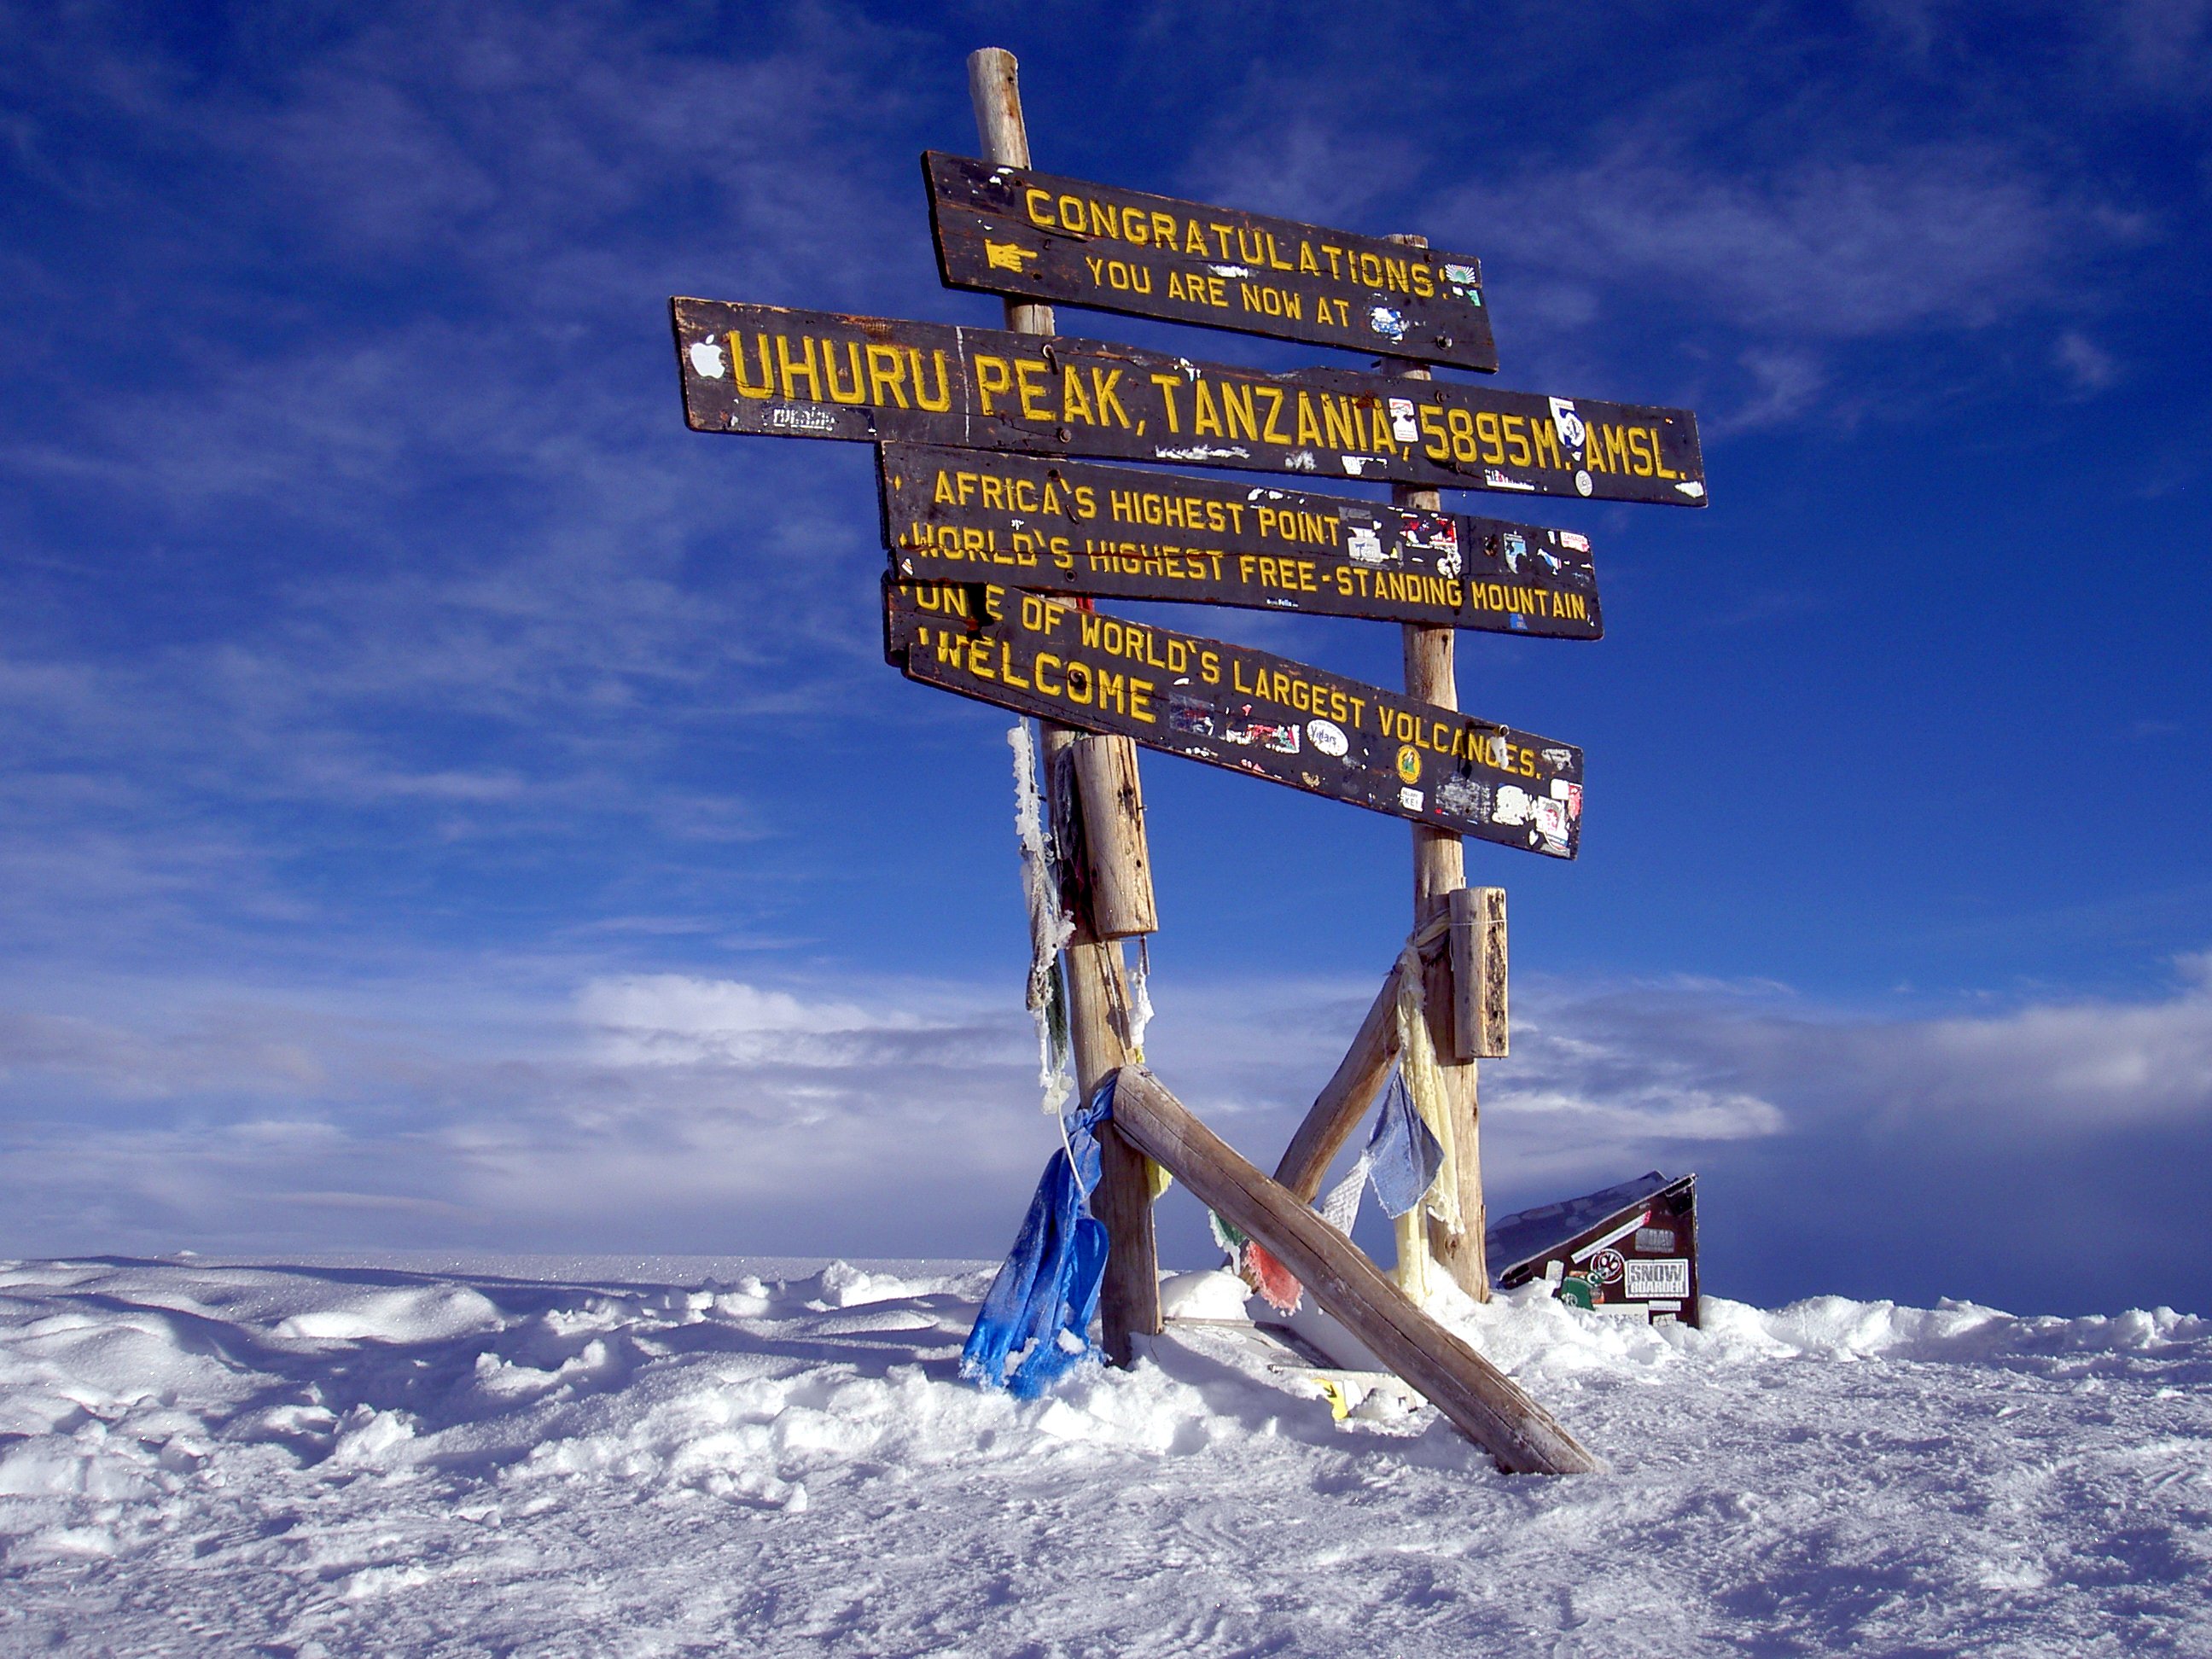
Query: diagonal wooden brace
<point x="1482" y="1402"/>
<point x="1344" y="1100"/>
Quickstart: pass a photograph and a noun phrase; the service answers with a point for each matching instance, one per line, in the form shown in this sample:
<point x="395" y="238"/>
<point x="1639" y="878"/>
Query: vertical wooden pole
<point x="1439" y="867"/>
<point x="1098" y="983"/>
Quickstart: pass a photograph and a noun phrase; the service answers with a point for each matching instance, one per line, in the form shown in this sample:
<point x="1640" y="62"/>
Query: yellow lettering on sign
<point x="1167" y="384"/>
<point x="1640" y="449"/>
<point x="791" y="372"/>
<point x="1074" y="406"/>
<point x="1271" y="398"/>
<point x="1027" y="372"/>
<point x="739" y="368"/>
<point x="886" y="377"/>
<point x="1236" y="404"/>
<point x="1006" y="256"/>
<point x="1491" y="430"/>
<point x="1208" y="419"/>
<point x="1336" y="422"/>
<point x="943" y="400"/>
<point x="1103" y="382"/>
<point x="1516" y="440"/>
<point x="858" y="392"/>
<point x="1546" y="433"/>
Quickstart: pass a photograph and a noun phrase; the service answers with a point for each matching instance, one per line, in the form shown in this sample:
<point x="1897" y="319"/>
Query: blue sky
<point x="448" y="802"/>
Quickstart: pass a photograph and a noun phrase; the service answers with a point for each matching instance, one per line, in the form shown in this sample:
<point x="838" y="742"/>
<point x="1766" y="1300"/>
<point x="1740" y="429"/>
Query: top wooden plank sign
<point x="1007" y="230"/>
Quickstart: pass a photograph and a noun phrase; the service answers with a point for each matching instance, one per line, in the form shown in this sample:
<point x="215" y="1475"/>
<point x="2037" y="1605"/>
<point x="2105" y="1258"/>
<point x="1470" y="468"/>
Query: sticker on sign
<point x="1668" y="1276"/>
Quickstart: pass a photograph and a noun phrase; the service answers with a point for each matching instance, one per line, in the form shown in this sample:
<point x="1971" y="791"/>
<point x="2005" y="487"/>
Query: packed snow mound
<point x="202" y="1458"/>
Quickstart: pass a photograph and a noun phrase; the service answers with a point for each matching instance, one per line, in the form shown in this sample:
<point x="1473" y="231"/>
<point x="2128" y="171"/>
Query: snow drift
<point x="207" y="1458"/>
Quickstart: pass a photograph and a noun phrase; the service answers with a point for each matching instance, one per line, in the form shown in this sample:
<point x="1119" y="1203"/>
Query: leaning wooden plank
<point x="1341" y="1104"/>
<point x="1336" y="1110"/>
<point x="1481" y="1401"/>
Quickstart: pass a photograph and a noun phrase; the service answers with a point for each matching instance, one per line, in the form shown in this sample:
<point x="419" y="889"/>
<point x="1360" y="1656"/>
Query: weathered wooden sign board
<point x="1110" y="532"/>
<point x="764" y="369"/>
<point x="1233" y="706"/>
<point x="1035" y="236"/>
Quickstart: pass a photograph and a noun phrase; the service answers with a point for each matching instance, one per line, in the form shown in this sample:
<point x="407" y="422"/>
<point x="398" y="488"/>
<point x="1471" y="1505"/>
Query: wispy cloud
<point x="2087" y="365"/>
<point x="673" y="1112"/>
<point x="1818" y="248"/>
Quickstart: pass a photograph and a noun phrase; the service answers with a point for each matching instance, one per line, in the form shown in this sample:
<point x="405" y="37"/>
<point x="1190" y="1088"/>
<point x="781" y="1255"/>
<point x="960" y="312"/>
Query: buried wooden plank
<point x="1482" y="1402"/>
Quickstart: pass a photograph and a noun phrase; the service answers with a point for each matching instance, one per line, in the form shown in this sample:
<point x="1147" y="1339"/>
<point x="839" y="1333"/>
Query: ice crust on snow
<point x="198" y="1457"/>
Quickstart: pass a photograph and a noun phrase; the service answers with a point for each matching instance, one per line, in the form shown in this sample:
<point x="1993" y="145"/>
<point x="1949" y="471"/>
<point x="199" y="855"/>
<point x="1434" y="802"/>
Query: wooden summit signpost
<point x="1232" y="706"/>
<point x="1008" y="230"/>
<point x="1001" y="533"/>
<point x="783" y="373"/>
<point x="951" y="515"/>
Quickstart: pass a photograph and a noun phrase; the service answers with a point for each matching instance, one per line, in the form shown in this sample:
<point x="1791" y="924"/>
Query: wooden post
<point x="1482" y="1402"/>
<point x="1439" y="867"/>
<point x="1118" y="867"/>
<point x="1111" y="801"/>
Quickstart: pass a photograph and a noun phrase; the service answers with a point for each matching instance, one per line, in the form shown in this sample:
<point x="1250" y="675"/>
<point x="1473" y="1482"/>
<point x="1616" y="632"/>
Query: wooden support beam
<point x="1336" y="1111"/>
<point x="1478" y="973"/>
<point x="1439" y="869"/>
<point x="1097" y="985"/>
<point x="1482" y="1402"/>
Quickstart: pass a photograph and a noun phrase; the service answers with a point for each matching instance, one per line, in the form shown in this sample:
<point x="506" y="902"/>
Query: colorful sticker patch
<point x="1665" y="1277"/>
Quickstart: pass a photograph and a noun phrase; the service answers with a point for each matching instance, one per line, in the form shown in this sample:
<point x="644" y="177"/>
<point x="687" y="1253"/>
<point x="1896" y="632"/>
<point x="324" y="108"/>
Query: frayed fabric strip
<point x="1402" y="1156"/>
<point x="1340" y="1205"/>
<point x="1035" y="1323"/>
<point x="1050" y="926"/>
<point x="1423" y="1081"/>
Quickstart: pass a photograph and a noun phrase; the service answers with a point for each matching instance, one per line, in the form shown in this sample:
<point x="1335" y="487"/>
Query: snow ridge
<point x="200" y="1457"/>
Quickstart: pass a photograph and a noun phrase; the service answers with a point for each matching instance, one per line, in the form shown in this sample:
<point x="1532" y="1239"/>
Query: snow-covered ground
<point x="614" y="1459"/>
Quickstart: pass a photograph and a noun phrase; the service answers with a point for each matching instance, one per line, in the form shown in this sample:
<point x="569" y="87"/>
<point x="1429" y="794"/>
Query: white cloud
<point x="1786" y="382"/>
<point x="1818" y="248"/>
<point x="672" y="1019"/>
<point x="667" y="1111"/>
<point x="2083" y="362"/>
